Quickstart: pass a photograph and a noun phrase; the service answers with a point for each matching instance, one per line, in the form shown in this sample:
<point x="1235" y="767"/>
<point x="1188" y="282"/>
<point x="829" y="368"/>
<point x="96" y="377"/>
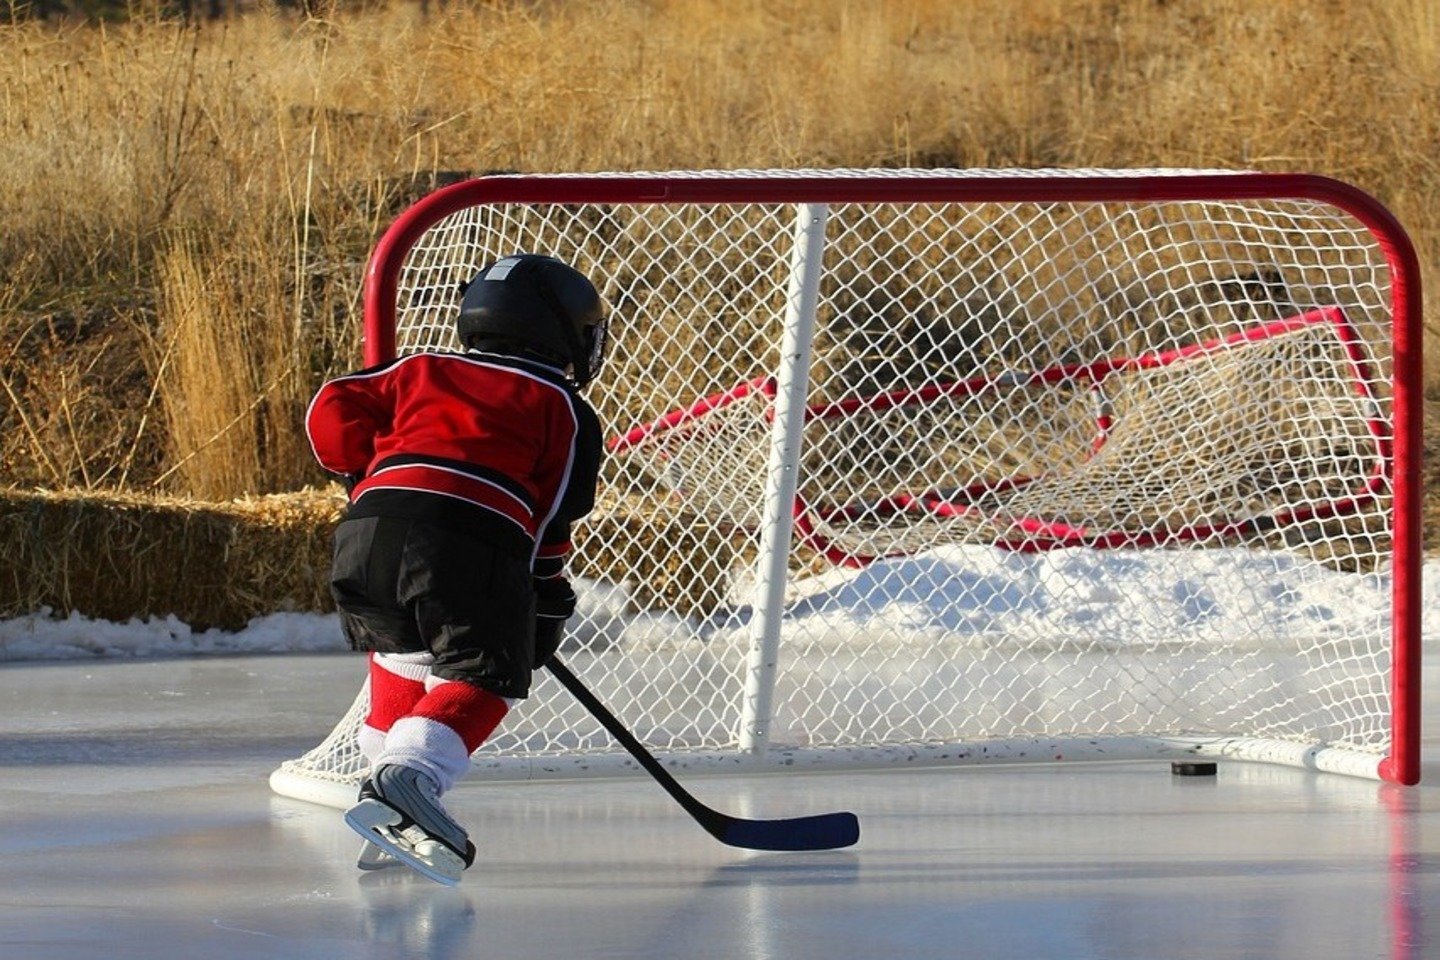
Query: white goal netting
<point x="1070" y="475"/>
<point x="1179" y="445"/>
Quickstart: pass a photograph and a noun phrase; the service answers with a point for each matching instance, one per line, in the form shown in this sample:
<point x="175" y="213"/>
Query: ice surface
<point x="139" y="825"/>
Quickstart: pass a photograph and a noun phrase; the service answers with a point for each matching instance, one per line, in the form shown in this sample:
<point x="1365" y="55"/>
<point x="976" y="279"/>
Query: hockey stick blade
<point x="826" y="831"/>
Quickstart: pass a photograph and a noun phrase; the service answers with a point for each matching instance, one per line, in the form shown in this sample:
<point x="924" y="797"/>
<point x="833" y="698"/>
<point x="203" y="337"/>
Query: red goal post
<point x="1228" y="300"/>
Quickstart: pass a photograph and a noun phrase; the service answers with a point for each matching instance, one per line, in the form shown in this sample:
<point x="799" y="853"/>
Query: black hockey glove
<point x="554" y="603"/>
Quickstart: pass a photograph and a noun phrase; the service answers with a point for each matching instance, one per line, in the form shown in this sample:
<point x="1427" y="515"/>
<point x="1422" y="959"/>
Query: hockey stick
<point x="826" y="831"/>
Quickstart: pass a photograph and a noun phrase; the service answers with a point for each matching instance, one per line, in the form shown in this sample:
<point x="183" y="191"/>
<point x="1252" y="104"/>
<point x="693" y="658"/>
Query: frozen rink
<point x="139" y="825"/>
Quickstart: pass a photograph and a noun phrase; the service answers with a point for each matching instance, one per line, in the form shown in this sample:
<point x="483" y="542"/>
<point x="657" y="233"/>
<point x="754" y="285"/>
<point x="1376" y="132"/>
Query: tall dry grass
<point x="229" y="378"/>
<point x="185" y="209"/>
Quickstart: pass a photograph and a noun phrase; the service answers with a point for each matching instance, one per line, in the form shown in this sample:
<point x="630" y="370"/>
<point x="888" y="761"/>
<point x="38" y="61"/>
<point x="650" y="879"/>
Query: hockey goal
<point x="967" y="466"/>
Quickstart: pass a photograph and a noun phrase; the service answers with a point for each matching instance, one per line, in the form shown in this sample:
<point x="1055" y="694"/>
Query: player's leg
<point x="473" y="605"/>
<point x="397" y="684"/>
<point x="364" y="575"/>
<point x="364" y="578"/>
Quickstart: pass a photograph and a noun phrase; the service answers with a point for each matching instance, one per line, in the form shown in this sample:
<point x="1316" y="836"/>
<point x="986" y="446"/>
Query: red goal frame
<point x="1403" y="763"/>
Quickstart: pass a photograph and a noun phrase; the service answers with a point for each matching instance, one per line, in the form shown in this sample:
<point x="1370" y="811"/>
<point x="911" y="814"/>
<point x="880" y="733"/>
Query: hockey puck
<point x="1193" y="768"/>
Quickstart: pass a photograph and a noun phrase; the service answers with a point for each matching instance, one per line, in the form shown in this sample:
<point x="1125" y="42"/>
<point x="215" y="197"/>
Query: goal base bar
<point x="337" y="792"/>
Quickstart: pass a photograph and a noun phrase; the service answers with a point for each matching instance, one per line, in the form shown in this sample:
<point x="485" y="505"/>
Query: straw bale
<point x="117" y="556"/>
<point x="120" y="555"/>
<point x="668" y="558"/>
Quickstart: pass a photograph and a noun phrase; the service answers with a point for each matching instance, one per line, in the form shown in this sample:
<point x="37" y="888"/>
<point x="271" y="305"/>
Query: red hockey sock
<point x="471" y="712"/>
<point x="441" y="731"/>
<point x="396" y="685"/>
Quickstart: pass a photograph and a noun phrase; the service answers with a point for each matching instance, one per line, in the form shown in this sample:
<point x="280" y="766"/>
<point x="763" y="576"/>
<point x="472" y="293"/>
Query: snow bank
<point x="973" y="594"/>
<point x="43" y="636"/>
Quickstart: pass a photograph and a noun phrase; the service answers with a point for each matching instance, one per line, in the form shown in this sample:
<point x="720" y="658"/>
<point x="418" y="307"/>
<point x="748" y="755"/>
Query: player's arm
<point x="554" y="596"/>
<point x="342" y="422"/>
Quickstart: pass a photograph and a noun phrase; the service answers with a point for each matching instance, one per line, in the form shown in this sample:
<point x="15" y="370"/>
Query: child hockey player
<point x="465" y="472"/>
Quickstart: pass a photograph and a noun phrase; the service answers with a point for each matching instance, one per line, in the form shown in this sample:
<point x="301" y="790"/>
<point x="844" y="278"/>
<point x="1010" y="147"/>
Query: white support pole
<point x="782" y="477"/>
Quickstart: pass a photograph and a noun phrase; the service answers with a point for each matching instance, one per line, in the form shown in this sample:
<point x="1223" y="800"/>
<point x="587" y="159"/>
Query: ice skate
<point x="400" y="813"/>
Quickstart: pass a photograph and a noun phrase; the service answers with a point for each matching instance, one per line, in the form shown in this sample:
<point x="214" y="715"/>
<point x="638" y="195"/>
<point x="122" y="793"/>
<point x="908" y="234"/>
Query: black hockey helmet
<point x="537" y="304"/>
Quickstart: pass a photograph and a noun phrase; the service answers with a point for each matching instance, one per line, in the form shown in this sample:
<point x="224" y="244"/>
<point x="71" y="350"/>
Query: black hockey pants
<point x="406" y="586"/>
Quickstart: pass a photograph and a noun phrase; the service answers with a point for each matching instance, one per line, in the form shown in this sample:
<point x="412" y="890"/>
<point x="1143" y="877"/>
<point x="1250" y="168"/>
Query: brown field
<point x="185" y="210"/>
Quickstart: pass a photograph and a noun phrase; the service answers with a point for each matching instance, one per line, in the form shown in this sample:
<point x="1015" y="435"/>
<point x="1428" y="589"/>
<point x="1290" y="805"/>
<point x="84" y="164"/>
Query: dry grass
<point x="166" y="177"/>
<point x="185" y="211"/>
<point x="229" y="377"/>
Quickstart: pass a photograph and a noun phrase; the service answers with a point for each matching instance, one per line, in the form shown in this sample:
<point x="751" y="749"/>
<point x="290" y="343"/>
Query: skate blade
<point x="373" y="857"/>
<point x="375" y="822"/>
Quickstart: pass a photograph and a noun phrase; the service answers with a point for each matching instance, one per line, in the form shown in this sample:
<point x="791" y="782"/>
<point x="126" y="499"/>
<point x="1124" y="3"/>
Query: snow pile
<point x="976" y="595"/>
<point x="42" y="636"/>
<point x="981" y="596"/>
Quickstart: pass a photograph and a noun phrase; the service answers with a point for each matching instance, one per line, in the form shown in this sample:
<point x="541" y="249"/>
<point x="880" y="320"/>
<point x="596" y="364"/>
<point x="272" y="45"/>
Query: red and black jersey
<point x="499" y="446"/>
